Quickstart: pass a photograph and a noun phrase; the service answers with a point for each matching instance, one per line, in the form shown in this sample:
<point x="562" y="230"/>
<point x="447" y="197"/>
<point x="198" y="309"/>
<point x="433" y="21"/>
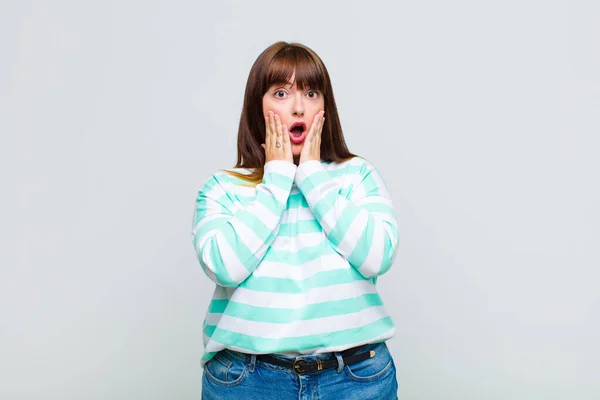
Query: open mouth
<point x="298" y="132"/>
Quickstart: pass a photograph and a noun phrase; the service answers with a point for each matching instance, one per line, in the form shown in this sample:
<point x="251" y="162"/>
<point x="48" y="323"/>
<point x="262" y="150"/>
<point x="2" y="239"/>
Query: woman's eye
<point x="313" y="94"/>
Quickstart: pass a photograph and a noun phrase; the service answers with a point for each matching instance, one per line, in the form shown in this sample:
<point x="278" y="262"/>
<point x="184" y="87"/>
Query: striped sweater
<point x="295" y="259"/>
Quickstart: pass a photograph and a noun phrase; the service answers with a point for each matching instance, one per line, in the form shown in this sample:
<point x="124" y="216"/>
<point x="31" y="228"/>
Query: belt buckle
<point x="297" y="367"/>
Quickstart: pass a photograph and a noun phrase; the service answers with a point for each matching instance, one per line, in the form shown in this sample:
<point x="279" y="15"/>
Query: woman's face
<point x="293" y="105"/>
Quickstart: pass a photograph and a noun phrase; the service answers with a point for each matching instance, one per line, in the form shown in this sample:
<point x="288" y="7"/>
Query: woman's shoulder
<point x="232" y="179"/>
<point x="222" y="179"/>
<point x="226" y="173"/>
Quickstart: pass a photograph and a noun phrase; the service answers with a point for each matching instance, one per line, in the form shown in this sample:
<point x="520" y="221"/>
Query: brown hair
<point x="275" y="65"/>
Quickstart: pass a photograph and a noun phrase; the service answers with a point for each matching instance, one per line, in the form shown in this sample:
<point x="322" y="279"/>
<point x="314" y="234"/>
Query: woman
<point x="294" y="237"/>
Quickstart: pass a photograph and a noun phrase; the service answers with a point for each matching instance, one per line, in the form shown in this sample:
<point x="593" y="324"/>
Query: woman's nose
<point x="298" y="107"/>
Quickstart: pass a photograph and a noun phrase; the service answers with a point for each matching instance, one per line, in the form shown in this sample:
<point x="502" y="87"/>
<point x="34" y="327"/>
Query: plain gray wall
<point x="483" y="118"/>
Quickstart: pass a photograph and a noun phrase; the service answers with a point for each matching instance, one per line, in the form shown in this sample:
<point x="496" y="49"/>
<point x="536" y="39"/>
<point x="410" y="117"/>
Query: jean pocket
<point x="376" y="367"/>
<point x="225" y="370"/>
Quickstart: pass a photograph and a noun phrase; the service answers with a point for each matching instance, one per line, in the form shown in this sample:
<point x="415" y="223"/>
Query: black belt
<point x="301" y="366"/>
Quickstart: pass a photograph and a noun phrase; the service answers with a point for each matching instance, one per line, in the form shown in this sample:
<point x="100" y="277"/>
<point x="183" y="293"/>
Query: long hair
<point x="274" y="66"/>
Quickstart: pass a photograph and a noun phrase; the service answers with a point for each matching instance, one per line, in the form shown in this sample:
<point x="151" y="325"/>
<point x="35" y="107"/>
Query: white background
<point x="483" y="118"/>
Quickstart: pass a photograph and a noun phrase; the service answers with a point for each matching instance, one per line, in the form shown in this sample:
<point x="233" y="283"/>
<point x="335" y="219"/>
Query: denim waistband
<point x="308" y="357"/>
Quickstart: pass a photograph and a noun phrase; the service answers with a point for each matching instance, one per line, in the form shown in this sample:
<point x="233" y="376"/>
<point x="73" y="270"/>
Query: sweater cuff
<point x="281" y="167"/>
<point x="306" y="169"/>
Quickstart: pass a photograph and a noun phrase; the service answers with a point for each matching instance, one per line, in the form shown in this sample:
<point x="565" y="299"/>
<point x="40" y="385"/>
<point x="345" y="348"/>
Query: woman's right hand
<point x="276" y="133"/>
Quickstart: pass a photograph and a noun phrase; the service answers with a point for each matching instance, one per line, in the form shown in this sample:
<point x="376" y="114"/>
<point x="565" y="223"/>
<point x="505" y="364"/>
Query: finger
<point x="277" y="135"/>
<point x="273" y="129"/>
<point x="316" y="141"/>
<point x="321" y="126"/>
<point x="313" y="128"/>
<point x="318" y="125"/>
<point x="309" y="134"/>
<point x="286" y="135"/>
<point x="278" y="125"/>
<point x="320" y="135"/>
<point x="267" y="132"/>
<point x="287" y="145"/>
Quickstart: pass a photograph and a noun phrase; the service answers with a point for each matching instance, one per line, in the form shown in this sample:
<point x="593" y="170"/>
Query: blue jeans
<point x="234" y="375"/>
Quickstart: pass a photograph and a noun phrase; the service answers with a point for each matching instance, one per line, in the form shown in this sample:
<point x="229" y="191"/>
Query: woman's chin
<point x="297" y="149"/>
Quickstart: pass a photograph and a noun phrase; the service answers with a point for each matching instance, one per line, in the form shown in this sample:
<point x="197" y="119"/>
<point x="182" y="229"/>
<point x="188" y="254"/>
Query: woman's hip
<point x="363" y="372"/>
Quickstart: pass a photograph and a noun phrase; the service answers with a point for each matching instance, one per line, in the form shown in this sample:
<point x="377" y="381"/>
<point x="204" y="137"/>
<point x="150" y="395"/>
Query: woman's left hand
<point x="312" y="145"/>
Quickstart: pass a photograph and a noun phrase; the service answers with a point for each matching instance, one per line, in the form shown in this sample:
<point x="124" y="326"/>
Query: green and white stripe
<point x="295" y="259"/>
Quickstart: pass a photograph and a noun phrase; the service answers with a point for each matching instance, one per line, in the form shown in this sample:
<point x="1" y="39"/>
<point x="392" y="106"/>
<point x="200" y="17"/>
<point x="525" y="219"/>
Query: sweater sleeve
<point x="361" y="225"/>
<point x="230" y="243"/>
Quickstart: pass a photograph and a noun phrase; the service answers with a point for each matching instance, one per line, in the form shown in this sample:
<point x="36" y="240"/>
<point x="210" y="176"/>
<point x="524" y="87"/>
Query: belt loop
<point x="340" y="361"/>
<point x="252" y="362"/>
